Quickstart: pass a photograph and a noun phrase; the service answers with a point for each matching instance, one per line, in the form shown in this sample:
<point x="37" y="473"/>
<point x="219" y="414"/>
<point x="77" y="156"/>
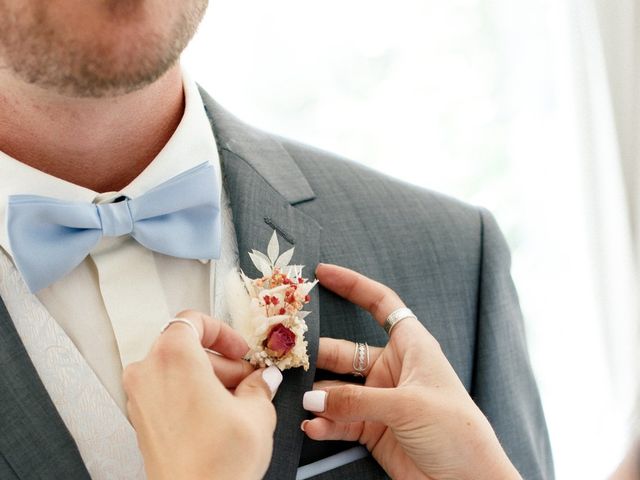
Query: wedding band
<point x="195" y="330"/>
<point x="185" y="322"/>
<point x="396" y="317"/>
<point x="360" y="359"/>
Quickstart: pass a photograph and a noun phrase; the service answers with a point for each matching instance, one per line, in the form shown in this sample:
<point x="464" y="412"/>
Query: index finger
<point x="376" y="298"/>
<point x="216" y="335"/>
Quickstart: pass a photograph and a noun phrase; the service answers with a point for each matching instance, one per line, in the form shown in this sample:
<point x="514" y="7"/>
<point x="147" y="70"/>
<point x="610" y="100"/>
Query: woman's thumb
<point x="261" y="383"/>
<point x="351" y="403"/>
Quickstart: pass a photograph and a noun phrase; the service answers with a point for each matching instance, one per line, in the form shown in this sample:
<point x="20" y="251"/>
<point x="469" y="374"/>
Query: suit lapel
<point x="254" y="232"/>
<point x="263" y="183"/>
<point x="33" y="438"/>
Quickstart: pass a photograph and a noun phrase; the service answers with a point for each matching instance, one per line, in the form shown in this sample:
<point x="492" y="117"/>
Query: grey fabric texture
<point x="502" y="379"/>
<point x="447" y="260"/>
<point x="6" y="472"/>
<point x="34" y="442"/>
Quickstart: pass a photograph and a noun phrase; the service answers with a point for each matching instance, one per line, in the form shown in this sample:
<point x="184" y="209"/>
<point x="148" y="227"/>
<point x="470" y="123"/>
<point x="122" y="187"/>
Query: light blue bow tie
<point x="180" y="218"/>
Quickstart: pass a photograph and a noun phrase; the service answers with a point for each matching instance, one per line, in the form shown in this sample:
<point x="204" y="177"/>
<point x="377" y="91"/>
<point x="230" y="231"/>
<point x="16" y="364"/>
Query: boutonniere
<point x="268" y="311"/>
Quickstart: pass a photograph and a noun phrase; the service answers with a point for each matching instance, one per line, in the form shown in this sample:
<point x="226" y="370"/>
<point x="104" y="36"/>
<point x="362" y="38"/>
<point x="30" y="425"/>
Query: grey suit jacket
<point x="447" y="260"/>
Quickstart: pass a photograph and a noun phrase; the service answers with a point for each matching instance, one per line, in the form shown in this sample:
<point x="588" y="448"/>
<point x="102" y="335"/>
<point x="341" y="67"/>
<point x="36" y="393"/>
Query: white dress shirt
<point x="114" y="303"/>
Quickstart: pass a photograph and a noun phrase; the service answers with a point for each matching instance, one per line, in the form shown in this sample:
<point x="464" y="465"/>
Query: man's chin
<point x="80" y="75"/>
<point x="93" y="85"/>
<point x="92" y="60"/>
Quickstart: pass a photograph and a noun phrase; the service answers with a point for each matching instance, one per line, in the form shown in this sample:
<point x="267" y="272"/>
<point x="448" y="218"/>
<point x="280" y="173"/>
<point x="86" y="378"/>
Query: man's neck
<point x="101" y="144"/>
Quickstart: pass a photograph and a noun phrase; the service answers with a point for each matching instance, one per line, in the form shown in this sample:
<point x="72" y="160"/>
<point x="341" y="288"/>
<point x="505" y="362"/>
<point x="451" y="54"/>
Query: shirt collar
<point x="190" y="145"/>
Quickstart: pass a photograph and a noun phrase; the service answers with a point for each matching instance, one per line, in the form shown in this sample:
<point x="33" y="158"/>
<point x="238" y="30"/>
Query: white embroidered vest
<point x="105" y="438"/>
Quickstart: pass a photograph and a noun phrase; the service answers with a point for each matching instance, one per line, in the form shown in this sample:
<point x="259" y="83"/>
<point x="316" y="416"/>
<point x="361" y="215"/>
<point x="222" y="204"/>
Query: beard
<point x="124" y="53"/>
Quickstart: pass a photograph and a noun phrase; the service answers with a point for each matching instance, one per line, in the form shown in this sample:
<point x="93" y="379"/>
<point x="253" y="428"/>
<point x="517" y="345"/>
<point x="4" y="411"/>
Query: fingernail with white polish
<point x="272" y="376"/>
<point x="303" y="425"/>
<point x="315" y="401"/>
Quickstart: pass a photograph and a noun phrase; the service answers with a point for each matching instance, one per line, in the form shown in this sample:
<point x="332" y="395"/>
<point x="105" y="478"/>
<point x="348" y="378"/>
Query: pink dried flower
<point x="280" y="340"/>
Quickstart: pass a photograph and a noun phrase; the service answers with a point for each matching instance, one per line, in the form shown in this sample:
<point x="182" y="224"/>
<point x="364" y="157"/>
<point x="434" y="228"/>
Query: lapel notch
<point x="260" y="150"/>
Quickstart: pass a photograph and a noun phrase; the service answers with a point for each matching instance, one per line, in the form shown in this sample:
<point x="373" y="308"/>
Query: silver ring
<point x="360" y="359"/>
<point x="396" y="317"/>
<point x="183" y="321"/>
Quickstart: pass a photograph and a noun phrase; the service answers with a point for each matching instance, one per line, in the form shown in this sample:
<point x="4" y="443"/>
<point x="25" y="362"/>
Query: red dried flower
<point x="280" y="340"/>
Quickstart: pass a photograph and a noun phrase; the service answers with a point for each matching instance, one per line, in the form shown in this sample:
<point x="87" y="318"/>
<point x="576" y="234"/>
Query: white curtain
<point x="576" y="271"/>
<point x="619" y="24"/>
<point x="528" y="107"/>
<point x="596" y="49"/>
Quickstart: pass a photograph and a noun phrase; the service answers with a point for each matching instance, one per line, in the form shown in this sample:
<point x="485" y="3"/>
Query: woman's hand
<point x="629" y="469"/>
<point x="189" y="425"/>
<point x="413" y="414"/>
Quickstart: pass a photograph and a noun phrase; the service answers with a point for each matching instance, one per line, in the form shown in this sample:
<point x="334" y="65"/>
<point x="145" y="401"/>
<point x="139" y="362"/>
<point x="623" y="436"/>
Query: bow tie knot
<point x="116" y="218"/>
<point x="179" y="218"/>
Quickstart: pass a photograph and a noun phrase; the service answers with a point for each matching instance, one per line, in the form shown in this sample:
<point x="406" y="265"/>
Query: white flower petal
<point x="248" y="284"/>
<point x="273" y="249"/>
<point x="306" y="287"/>
<point x="273" y="291"/>
<point x="293" y="271"/>
<point x="261" y="264"/>
<point x="285" y="258"/>
<point x="239" y="304"/>
<point x="261" y="255"/>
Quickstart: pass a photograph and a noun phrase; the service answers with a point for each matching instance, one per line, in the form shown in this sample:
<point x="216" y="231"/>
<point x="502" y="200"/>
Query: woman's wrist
<point x="487" y="459"/>
<point x="504" y="470"/>
<point x="496" y="464"/>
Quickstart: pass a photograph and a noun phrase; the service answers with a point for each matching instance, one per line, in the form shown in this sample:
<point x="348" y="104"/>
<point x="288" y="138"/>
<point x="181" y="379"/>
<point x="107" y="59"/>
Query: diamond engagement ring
<point x="360" y="359"/>
<point x="397" y="316"/>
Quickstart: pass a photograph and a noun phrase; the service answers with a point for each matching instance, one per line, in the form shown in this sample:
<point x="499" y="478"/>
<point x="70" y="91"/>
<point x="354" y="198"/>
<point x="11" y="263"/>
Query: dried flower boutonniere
<point x="267" y="311"/>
